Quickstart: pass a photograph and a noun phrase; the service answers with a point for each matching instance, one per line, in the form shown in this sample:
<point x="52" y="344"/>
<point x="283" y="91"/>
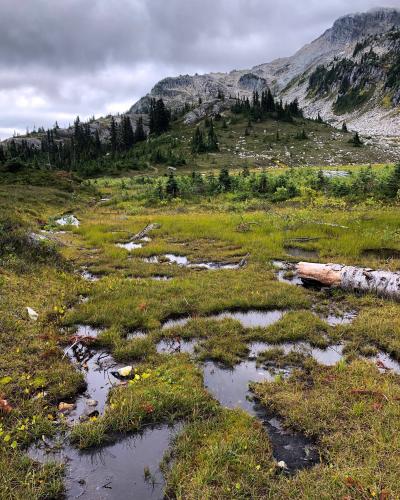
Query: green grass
<point x="169" y="389"/>
<point x="220" y="453"/>
<point x="227" y="456"/>
<point x="353" y="413"/>
<point x="33" y="375"/>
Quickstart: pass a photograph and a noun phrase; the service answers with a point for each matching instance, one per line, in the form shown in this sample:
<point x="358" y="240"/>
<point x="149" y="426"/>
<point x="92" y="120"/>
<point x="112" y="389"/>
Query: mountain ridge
<point x="280" y="75"/>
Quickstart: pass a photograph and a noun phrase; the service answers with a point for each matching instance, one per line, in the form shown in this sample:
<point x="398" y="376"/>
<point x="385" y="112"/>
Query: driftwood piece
<point x="144" y="232"/>
<point x="360" y="279"/>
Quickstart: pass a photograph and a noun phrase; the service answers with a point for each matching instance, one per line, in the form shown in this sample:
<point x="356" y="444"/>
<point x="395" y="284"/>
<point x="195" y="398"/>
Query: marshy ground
<point x="200" y="310"/>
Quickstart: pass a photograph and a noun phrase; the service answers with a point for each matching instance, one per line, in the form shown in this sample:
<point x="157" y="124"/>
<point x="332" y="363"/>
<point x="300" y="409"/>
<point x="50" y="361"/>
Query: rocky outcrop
<point x="289" y="77"/>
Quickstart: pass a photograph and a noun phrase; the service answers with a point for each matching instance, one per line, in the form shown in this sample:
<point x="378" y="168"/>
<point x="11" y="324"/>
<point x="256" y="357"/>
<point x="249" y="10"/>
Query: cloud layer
<point x="60" y="59"/>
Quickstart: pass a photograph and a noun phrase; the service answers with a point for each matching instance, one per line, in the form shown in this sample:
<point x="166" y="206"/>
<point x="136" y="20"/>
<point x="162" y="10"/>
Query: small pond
<point x="249" y="319"/>
<point x="131" y="245"/>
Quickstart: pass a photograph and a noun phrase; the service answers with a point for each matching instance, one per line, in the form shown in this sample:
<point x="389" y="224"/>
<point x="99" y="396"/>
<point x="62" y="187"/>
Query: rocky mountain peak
<point x="353" y="27"/>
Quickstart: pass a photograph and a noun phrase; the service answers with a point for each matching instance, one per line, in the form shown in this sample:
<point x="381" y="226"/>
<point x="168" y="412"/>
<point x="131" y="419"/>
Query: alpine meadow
<point x="200" y="293"/>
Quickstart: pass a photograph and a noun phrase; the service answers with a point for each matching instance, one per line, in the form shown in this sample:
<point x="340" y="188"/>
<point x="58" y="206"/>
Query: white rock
<point x="33" y="315"/>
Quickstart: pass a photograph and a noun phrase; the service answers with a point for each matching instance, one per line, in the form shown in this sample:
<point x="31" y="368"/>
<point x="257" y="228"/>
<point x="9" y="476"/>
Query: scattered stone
<point x="90" y="413"/>
<point x="66" y="407"/>
<point x="123" y="373"/>
<point x="68" y="220"/>
<point x="33" y="315"/>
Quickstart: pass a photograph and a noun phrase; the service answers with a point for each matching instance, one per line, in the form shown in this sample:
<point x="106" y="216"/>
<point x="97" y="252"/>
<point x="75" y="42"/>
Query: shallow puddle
<point x="116" y="471"/>
<point x="183" y="261"/>
<point x="161" y="278"/>
<point x="328" y="357"/>
<point x="231" y="388"/>
<point x="302" y="253"/>
<point x="174" y="346"/>
<point x="215" y="265"/>
<point x="381" y="253"/>
<point x="96" y="367"/>
<point x="335" y="319"/>
<point x="131" y="245"/>
<point x="386" y="363"/>
<point x="291" y="278"/>
<point x="180" y="260"/>
<point x="286" y="273"/>
<point x="87" y="331"/>
<point x="248" y="319"/>
<point x="253" y="318"/>
<point x="88" y="276"/>
<point x="113" y="471"/>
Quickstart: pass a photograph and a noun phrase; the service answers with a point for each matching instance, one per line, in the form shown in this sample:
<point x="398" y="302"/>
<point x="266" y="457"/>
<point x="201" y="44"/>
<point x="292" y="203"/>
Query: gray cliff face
<point x="356" y="26"/>
<point x="288" y="77"/>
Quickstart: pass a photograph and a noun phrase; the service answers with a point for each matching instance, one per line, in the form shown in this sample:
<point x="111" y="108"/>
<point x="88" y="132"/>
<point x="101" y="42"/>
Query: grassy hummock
<point x="353" y="412"/>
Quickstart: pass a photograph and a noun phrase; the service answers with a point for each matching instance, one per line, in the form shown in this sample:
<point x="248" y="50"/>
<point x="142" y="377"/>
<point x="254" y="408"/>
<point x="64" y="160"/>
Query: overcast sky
<point x="62" y="58"/>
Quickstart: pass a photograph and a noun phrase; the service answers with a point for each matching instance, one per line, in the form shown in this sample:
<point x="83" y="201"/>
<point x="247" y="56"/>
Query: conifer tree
<point x="140" y="134"/>
<point x="356" y="141"/>
<point x="245" y="171"/>
<point x="393" y="183"/>
<point x="171" y="188"/>
<point x="113" y="136"/>
<point x="224" y="179"/>
<point x="127" y="135"/>
<point x="212" y="142"/>
<point x="262" y="187"/>
<point x="198" y="145"/>
<point x="344" y="128"/>
<point x="97" y="142"/>
<point x="159" y="117"/>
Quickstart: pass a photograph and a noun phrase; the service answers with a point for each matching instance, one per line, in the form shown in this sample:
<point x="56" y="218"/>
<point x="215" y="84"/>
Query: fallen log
<point x="141" y="234"/>
<point x="357" y="279"/>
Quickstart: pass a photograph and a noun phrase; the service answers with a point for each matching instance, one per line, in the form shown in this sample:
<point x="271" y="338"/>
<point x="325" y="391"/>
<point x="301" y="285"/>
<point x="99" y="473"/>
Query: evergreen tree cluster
<point x="82" y="146"/>
<point x="355" y="186"/>
<point x="257" y="185"/>
<point x="205" y="141"/>
<point x="122" y="135"/>
<point x="160" y="117"/>
<point x="264" y="106"/>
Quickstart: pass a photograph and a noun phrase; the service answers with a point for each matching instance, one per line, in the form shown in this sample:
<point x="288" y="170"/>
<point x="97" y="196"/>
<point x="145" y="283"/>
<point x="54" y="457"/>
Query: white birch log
<point x="357" y="279"/>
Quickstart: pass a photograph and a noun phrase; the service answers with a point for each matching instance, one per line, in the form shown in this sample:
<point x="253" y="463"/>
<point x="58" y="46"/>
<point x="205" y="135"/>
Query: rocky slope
<point x="360" y="50"/>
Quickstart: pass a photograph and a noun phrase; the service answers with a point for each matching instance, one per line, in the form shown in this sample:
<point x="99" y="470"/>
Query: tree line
<point x="265" y="106"/>
<point x="294" y="182"/>
<point x="83" y="142"/>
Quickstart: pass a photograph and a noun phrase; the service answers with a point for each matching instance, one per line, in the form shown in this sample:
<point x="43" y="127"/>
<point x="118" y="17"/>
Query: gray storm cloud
<point x="60" y="59"/>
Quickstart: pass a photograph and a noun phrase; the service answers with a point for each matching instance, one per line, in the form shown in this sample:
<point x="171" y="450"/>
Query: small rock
<point x="123" y="372"/>
<point x="33" y="315"/>
<point x="66" y="407"/>
<point x="92" y="402"/>
<point x="282" y="464"/>
<point x="89" y="412"/>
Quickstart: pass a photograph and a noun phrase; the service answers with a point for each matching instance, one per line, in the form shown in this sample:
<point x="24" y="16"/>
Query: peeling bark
<point x="357" y="279"/>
